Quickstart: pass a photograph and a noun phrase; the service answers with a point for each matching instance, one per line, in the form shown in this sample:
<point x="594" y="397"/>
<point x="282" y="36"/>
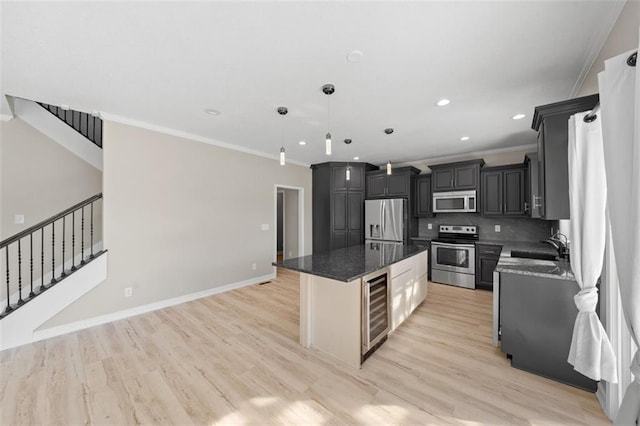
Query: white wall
<point x="182" y="217"/>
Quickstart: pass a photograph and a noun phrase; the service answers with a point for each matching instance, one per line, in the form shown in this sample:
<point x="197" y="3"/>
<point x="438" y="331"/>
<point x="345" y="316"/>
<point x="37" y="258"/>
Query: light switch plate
<point x="497" y="228"/>
<point x="19" y="219"/>
<point x="265" y="227"/>
<point x="429" y="225"/>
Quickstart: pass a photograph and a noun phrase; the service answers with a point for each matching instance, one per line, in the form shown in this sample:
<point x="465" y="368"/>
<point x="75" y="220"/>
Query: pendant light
<point x="328" y="90"/>
<point x="348" y="172"/>
<point x="388" y="132"/>
<point x="282" y="111"/>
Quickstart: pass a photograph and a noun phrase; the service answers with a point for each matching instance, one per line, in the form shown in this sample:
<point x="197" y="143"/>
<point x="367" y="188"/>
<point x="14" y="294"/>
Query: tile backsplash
<point x="511" y="228"/>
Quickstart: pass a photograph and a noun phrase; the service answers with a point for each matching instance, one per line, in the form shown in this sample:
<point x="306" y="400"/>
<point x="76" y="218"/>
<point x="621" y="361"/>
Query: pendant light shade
<point x="388" y="131"/>
<point x="282" y="111"/>
<point x="328" y="90"/>
<point x="347" y="173"/>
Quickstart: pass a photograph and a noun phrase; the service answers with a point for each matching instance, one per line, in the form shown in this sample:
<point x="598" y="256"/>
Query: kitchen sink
<point x="533" y="255"/>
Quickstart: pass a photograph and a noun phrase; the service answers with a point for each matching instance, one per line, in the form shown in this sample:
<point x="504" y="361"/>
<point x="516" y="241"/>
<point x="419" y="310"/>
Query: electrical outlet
<point x="497" y="228"/>
<point x="265" y="227"/>
<point x="19" y="219"/>
<point x="429" y="225"/>
<point x="254" y="266"/>
<point x="289" y="254"/>
<point x="128" y="292"/>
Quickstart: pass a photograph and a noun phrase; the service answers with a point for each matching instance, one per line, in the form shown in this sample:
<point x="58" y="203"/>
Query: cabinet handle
<point x="536" y="204"/>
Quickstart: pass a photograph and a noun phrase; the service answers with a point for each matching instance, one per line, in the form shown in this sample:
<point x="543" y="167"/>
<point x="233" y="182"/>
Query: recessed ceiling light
<point x="212" y="111"/>
<point x="302" y="143"/>
<point x="356" y="158"/>
<point x="518" y="116"/>
<point x="443" y="102"/>
<point x="354" y="56"/>
<point x="464" y="138"/>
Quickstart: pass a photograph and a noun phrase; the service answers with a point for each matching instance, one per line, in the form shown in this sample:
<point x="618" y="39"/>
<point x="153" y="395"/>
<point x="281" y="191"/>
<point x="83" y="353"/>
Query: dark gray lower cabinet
<point x="537" y="315"/>
<point x="487" y="257"/>
<point x="338" y="205"/>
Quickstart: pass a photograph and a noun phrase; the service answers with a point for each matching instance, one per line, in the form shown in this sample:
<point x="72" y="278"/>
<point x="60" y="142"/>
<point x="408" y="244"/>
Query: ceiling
<point x="164" y="63"/>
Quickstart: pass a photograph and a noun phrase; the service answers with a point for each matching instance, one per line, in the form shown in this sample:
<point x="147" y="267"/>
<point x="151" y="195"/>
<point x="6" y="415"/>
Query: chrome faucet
<point x="561" y="246"/>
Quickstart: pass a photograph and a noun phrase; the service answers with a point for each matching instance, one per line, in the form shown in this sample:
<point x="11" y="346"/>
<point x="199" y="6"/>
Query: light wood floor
<point x="234" y="358"/>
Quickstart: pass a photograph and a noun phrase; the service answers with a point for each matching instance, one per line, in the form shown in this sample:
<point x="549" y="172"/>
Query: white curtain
<point x="591" y="353"/>
<point x="619" y="86"/>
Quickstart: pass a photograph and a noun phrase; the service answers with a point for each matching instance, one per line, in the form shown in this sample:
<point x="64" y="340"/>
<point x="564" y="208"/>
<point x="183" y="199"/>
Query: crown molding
<point x="192" y="136"/>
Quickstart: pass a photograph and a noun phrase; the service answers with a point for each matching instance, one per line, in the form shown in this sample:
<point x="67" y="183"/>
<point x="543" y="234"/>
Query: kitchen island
<point x="332" y="293"/>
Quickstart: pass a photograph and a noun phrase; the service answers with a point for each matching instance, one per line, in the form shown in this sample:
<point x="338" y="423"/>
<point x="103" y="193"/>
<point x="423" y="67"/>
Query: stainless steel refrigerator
<point x="385" y="220"/>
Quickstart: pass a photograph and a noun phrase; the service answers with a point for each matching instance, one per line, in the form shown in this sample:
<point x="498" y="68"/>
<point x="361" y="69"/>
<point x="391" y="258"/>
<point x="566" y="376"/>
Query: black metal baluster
<point x="63" y="274"/>
<point x="42" y="286"/>
<point x="92" y="256"/>
<point x="82" y="262"/>
<point x="20" y="301"/>
<point x="9" y="308"/>
<point x="53" y="252"/>
<point x="73" y="241"/>
<point x="31" y="293"/>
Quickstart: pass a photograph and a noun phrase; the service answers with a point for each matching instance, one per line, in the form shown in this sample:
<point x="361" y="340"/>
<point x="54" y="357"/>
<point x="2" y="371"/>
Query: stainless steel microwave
<point x="455" y="202"/>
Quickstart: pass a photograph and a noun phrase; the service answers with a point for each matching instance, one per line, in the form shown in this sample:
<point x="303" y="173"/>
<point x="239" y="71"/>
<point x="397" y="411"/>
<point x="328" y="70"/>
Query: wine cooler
<point x="376" y="313"/>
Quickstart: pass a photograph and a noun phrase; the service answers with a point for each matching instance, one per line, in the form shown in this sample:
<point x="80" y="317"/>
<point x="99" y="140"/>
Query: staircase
<point x="71" y="129"/>
<point x="88" y="125"/>
<point x="58" y="257"/>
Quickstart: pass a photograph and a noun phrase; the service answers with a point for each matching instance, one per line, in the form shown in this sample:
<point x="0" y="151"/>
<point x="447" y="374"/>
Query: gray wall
<point x="38" y="177"/>
<point x="622" y="38"/>
<point x="182" y="217"/>
<point x="512" y="229"/>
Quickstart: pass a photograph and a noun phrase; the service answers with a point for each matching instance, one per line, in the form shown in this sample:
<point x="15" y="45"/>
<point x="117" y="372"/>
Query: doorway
<point x="288" y="238"/>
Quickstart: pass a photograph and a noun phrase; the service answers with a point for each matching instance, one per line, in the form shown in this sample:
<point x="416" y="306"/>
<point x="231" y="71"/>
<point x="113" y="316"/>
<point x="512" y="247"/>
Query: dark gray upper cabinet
<point x="338" y="205"/>
<point x="503" y="191"/>
<point x="551" y="123"/>
<point x="395" y="185"/>
<point x="459" y="176"/>
<point x="533" y="198"/>
<point x="422" y="196"/>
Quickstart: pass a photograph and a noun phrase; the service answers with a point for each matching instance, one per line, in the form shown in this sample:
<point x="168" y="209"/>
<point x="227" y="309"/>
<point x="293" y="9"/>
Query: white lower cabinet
<point x="408" y="287"/>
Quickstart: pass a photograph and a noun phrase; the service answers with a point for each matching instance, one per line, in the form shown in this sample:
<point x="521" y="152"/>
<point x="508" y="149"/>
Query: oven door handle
<point x="453" y="245"/>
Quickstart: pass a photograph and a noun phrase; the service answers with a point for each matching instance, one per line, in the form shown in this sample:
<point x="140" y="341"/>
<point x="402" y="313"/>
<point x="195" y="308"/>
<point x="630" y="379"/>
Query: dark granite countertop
<point x="353" y="262"/>
<point x="557" y="269"/>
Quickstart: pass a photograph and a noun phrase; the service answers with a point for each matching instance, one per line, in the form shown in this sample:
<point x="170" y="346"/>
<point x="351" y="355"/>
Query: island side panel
<point x="496" y="308"/>
<point x="330" y="317"/>
<point x="305" y="309"/>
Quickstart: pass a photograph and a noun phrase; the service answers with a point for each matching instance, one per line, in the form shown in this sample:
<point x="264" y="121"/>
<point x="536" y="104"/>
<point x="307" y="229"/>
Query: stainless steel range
<point x="453" y="255"/>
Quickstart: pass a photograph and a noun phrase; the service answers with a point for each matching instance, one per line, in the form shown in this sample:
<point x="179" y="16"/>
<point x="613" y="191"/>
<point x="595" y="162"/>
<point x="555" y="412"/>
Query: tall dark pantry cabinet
<point x="338" y="205"/>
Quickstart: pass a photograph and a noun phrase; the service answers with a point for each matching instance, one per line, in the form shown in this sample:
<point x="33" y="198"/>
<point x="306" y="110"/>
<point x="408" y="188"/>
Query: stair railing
<point x="88" y="125"/>
<point x="25" y="280"/>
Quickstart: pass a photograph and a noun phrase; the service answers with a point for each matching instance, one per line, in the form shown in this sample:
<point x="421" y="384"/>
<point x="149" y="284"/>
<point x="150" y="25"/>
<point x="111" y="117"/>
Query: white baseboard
<point x="138" y="310"/>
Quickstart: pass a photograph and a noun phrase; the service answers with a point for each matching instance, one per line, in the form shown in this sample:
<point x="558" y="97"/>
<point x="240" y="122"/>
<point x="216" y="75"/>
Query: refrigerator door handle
<point x="382" y="219"/>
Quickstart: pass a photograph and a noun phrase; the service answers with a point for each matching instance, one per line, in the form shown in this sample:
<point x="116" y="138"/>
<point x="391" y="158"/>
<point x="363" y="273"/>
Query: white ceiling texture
<point x="164" y="63"/>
